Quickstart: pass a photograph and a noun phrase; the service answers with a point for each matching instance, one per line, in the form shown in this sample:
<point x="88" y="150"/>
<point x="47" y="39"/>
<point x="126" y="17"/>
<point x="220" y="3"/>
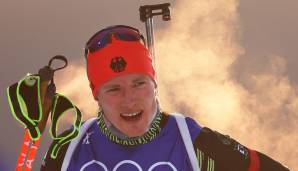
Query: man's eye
<point x="140" y="83"/>
<point x="113" y="89"/>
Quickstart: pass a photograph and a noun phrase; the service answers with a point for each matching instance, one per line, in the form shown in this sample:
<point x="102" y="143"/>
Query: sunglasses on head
<point x="103" y="37"/>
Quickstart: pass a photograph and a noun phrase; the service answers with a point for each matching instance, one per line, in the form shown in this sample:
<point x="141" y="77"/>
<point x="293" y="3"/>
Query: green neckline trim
<point x="147" y="137"/>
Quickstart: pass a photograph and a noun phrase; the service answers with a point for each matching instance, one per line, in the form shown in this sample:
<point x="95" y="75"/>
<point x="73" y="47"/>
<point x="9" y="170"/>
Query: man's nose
<point x="129" y="97"/>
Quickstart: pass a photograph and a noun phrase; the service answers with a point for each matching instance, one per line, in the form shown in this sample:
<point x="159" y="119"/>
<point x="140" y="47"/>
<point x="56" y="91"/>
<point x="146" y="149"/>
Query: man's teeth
<point x="131" y="114"/>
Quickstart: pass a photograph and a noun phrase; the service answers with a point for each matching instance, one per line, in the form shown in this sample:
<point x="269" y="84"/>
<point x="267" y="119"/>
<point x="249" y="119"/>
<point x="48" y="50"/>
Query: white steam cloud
<point x="196" y="57"/>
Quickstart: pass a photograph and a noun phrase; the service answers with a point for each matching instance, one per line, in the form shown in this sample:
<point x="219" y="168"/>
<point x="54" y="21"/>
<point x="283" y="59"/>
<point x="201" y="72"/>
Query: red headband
<point x="117" y="58"/>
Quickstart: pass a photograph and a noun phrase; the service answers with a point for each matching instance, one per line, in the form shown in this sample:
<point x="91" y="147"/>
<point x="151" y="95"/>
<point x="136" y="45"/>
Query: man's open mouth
<point x="131" y="116"/>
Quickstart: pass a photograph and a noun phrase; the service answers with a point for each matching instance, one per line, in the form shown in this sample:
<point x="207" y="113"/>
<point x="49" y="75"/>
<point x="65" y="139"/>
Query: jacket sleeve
<point x="220" y="152"/>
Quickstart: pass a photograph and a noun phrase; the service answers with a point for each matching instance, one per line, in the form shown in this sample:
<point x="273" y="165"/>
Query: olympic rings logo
<point x="125" y="162"/>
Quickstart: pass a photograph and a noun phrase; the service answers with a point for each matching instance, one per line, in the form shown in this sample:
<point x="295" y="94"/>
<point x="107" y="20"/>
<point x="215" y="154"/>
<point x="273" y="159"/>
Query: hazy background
<point x="232" y="65"/>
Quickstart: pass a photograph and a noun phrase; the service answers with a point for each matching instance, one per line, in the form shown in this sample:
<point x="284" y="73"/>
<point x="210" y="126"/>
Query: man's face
<point x="129" y="103"/>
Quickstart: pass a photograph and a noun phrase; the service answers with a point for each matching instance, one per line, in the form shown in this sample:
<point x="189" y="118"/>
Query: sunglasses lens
<point x="98" y="43"/>
<point x="102" y="38"/>
<point x="127" y="34"/>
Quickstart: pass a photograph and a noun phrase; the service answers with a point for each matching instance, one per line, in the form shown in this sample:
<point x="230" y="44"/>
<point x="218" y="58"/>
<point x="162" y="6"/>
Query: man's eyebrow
<point x="139" y="79"/>
<point x="111" y="86"/>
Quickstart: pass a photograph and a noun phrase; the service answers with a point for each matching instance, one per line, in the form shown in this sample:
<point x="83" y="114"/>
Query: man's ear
<point x="155" y="91"/>
<point x="99" y="103"/>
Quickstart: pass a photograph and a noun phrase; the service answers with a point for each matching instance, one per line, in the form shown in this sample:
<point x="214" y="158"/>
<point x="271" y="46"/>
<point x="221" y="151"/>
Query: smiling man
<point x="129" y="102"/>
<point x="131" y="132"/>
